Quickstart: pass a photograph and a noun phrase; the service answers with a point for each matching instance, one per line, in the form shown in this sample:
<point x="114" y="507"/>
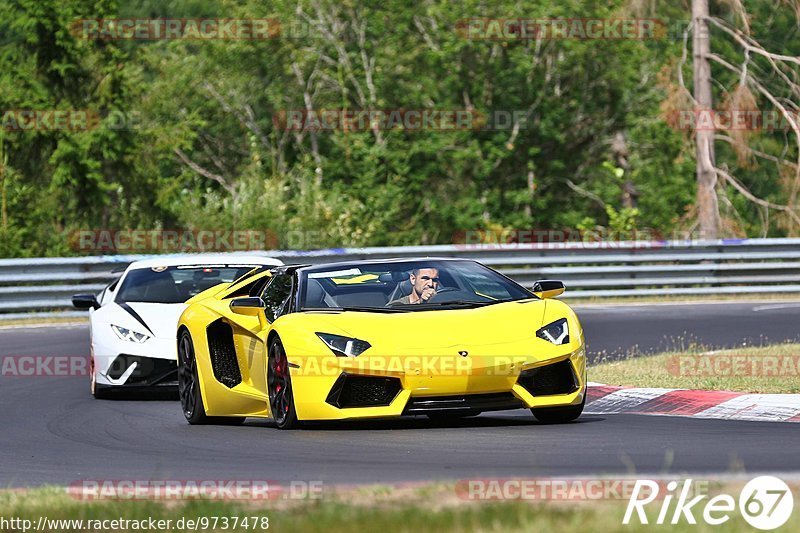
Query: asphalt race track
<point x="614" y="330"/>
<point x="54" y="432"/>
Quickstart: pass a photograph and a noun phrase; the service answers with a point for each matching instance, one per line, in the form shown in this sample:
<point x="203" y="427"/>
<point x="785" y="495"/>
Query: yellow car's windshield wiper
<point x="465" y="303"/>
<point x="457" y="302"/>
<point x="355" y="308"/>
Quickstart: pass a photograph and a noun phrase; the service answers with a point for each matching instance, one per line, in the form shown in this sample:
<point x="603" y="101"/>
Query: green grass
<point x="696" y="369"/>
<point x="44" y="320"/>
<point x="430" y="508"/>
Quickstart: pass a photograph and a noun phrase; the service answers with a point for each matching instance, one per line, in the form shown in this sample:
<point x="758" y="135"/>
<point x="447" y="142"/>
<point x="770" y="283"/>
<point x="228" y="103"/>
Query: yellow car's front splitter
<point x="335" y="388"/>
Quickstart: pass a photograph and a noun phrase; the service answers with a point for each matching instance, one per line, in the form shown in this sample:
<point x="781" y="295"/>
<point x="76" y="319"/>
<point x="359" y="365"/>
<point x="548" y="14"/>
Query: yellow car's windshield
<point x="405" y="286"/>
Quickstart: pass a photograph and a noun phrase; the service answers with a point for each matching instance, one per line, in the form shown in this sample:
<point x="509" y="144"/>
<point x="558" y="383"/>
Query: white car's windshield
<point x="175" y="284"/>
<point x="406" y="286"/>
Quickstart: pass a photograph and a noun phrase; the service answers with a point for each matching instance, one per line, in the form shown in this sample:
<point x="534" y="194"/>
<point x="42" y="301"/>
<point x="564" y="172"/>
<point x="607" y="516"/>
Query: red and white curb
<point x="724" y="405"/>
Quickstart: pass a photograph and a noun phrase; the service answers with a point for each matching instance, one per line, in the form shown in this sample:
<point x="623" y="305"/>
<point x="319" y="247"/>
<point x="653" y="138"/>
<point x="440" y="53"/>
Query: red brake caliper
<point x="284" y="372"/>
<point x="279" y="372"/>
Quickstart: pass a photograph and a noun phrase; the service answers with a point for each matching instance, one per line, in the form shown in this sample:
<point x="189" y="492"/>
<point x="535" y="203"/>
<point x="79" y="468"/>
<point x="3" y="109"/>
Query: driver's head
<point x="424" y="278"/>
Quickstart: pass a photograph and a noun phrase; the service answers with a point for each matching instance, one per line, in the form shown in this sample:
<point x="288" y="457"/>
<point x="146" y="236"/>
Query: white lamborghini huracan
<point x="132" y="322"/>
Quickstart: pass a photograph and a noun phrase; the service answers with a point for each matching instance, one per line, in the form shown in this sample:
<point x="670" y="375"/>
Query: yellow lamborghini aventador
<point x="380" y="338"/>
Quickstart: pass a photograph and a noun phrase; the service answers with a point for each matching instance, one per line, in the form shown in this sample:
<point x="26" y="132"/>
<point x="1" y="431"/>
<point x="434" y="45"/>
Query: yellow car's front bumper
<point x="415" y="383"/>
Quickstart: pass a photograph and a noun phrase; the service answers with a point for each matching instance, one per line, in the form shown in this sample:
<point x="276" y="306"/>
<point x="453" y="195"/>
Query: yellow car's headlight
<point x="344" y="346"/>
<point x="556" y="332"/>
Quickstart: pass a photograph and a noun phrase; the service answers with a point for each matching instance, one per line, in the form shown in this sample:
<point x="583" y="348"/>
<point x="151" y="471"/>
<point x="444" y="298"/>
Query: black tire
<point x="558" y="415"/>
<point x="279" y="387"/>
<point x="189" y="388"/>
<point x="99" y="392"/>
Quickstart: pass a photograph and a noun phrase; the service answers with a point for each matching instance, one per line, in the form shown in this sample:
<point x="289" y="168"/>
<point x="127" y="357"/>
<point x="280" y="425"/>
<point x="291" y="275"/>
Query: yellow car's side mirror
<point x="548" y="288"/>
<point x="250" y="306"/>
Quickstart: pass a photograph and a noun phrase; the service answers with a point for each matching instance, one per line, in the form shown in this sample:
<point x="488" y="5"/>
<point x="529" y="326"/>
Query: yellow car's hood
<point x="419" y="330"/>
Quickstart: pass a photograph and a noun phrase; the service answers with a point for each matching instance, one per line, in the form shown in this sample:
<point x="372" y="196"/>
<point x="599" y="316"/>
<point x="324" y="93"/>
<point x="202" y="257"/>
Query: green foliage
<point x="622" y="221"/>
<point x="187" y="136"/>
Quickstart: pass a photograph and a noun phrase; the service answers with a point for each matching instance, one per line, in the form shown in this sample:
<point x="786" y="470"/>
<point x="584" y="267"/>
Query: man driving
<point x="424" y="282"/>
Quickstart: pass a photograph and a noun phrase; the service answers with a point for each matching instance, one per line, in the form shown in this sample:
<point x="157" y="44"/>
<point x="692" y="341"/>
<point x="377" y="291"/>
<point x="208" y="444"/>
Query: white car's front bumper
<point x="120" y="363"/>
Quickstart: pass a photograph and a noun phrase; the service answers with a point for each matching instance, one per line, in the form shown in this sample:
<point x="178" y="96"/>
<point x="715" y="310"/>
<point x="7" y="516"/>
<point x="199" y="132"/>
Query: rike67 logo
<point x="765" y="503"/>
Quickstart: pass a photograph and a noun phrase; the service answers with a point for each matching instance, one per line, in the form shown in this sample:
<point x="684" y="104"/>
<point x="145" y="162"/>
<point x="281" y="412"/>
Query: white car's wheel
<point x="98" y="391"/>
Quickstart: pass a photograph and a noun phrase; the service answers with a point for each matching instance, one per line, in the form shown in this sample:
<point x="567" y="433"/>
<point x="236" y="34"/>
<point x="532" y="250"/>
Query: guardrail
<point x="601" y="269"/>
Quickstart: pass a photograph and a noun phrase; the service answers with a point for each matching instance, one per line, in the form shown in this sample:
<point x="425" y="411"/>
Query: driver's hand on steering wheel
<point x="427" y="293"/>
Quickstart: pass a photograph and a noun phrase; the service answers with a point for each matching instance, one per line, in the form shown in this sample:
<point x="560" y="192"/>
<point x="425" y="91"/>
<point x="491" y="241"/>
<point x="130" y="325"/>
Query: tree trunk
<point x="619" y="147"/>
<point x="3" y="163"/>
<point x="707" y="208"/>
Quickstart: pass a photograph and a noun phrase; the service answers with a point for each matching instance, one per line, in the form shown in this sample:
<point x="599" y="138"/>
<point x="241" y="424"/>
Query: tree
<point x="763" y="75"/>
<point x="707" y="208"/>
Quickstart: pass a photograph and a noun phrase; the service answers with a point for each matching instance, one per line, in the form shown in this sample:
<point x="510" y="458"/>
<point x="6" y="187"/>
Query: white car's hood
<point x="156" y="320"/>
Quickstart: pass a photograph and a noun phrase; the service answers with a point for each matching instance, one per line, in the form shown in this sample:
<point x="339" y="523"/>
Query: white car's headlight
<point x="129" y="335"/>
<point x="556" y="332"/>
<point x="344" y="346"/>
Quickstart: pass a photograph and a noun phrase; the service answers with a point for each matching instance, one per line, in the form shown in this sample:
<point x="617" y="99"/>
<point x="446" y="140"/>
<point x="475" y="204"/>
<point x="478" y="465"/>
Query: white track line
<point x="766" y="407"/>
<point x="623" y="401"/>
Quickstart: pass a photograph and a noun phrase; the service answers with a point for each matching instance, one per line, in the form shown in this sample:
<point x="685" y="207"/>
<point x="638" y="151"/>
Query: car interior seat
<point x="316" y="296"/>
<point x="403" y="288"/>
